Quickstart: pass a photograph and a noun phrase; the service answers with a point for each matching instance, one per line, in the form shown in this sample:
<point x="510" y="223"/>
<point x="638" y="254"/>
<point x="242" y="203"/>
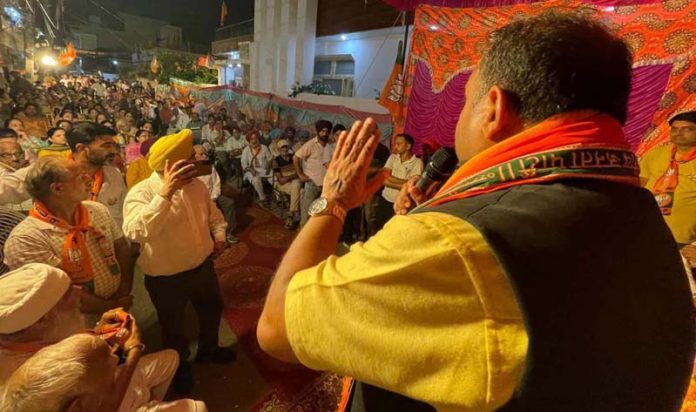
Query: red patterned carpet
<point x="245" y="272"/>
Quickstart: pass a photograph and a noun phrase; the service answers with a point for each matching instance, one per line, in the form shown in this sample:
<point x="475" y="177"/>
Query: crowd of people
<point x="99" y="177"/>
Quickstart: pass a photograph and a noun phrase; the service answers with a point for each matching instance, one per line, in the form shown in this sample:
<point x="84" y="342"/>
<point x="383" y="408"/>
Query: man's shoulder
<point x="658" y="152"/>
<point x="96" y="208"/>
<point x="111" y="173"/>
<point x="141" y="189"/>
<point x="29" y="228"/>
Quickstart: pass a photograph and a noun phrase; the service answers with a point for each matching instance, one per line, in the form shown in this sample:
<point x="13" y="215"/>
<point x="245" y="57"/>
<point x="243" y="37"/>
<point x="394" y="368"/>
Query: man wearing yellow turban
<point x="179" y="229"/>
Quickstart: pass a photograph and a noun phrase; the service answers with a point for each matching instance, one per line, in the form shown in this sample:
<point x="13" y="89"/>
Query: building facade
<point x="348" y="46"/>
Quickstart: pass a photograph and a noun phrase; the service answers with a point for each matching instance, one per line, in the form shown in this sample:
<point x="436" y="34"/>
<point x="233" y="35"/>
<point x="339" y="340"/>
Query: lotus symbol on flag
<point x="396" y="92"/>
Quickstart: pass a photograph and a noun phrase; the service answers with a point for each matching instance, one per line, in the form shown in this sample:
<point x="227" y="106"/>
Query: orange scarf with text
<point x="75" y="256"/>
<point x="581" y="144"/>
<point x="667" y="183"/>
<point x="97" y="182"/>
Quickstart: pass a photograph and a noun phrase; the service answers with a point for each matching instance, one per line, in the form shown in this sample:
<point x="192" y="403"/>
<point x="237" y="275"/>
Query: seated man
<point x="80" y="373"/>
<point x="39" y="308"/>
<point x="256" y="163"/>
<point x="287" y="180"/>
<point x="78" y="236"/>
<point x="11" y="160"/>
<point x="225" y="203"/>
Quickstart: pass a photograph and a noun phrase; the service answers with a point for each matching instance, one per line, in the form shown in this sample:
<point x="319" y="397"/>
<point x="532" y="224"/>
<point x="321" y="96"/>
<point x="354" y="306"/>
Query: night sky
<point x="198" y="18"/>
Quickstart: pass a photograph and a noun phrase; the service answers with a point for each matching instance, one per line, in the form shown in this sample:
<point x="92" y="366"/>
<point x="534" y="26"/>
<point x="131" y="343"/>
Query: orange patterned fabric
<point x="451" y="41"/>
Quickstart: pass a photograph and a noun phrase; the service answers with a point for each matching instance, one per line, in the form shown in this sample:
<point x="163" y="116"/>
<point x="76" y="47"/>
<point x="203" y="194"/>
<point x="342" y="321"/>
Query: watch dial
<point x="318" y="206"/>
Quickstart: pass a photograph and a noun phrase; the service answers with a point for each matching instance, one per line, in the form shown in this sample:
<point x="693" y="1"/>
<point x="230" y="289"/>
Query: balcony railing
<point x="243" y="28"/>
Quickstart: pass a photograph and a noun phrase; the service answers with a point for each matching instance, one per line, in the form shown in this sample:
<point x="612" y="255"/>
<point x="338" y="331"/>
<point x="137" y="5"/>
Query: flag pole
<point x="405" y="24"/>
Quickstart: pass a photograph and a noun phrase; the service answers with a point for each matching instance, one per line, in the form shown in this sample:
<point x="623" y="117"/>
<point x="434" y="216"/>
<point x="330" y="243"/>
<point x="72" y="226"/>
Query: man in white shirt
<point x="309" y="162"/>
<point x="78" y="236"/>
<point x="225" y="203"/>
<point x="236" y="143"/>
<point x="402" y="165"/>
<point x="94" y="148"/>
<point x="182" y="118"/>
<point x="179" y="228"/>
<point x="11" y="160"/>
<point x="256" y="163"/>
<point x="208" y="132"/>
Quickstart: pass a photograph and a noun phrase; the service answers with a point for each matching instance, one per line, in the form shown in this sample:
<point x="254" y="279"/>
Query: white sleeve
<point x="144" y="217"/>
<point x="216" y="189"/>
<point x="245" y="157"/>
<point x="13" y="188"/>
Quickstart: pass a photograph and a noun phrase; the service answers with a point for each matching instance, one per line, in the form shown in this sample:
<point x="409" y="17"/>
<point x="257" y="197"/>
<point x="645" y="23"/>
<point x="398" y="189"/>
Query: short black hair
<point x="7" y="122"/>
<point x="558" y="62"/>
<point x="338" y="128"/>
<point x="7" y="132"/>
<point x="86" y="133"/>
<point x="407" y="137"/>
<point x="53" y="130"/>
<point x="139" y="132"/>
<point x="685" y="117"/>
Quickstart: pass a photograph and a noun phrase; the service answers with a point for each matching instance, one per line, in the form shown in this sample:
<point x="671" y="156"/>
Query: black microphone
<point x="440" y="167"/>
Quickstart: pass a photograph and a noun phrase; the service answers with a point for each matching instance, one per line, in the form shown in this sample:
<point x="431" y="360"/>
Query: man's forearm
<point x="124" y="257"/>
<point x="315" y="242"/>
<point x="394" y="182"/>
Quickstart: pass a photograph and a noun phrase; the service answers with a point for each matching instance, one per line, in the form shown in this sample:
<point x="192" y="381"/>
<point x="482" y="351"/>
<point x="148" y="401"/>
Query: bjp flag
<point x="155" y="65"/>
<point x="393" y="92"/>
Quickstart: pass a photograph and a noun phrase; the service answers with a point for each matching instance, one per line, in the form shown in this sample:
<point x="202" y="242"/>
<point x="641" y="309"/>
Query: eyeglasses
<point x="18" y="155"/>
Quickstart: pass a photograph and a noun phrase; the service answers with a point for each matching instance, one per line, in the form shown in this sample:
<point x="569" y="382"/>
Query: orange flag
<point x="68" y="55"/>
<point x="223" y="13"/>
<point x="393" y="92"/>
<point x="155" y="65"/>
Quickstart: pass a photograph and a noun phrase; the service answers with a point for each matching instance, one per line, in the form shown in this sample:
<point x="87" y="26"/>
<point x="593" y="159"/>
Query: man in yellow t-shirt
<point x="508" y="290"/>
<point x="669" y="172"/>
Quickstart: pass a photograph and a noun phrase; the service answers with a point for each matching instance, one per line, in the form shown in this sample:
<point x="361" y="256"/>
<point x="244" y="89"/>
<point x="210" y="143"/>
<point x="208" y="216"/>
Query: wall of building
<point x="348" y="16"/>
<point x="374" y="53"/>
<point x="282" y="52"/>
<point x="138" y="32"/>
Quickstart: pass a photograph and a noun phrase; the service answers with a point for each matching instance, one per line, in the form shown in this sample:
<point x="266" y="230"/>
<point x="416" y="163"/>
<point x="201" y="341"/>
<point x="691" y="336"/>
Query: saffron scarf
<point x="581" y="144"/>
<point x="667" y="183"/>
<point x="75" y="256"/>
<point x="97" y="181"/>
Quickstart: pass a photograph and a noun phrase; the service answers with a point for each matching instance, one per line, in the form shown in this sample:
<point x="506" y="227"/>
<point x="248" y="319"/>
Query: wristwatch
<point x="323" y="206"/>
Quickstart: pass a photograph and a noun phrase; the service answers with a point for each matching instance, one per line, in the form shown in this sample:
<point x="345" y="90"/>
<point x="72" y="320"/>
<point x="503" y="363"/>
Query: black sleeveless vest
<point x="605" y="300"/>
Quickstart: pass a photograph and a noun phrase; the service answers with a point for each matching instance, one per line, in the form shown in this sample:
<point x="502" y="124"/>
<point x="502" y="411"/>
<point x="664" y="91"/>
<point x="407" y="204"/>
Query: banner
<point x="281" y="111"/>
<point x="448" y="42"/>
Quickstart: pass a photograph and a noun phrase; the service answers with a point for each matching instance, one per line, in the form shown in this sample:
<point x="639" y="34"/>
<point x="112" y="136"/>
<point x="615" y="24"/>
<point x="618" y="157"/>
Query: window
<point x="336" y="72"/>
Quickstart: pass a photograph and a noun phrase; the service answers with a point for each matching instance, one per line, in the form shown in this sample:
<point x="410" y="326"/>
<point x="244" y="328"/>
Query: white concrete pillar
<point x="306" y="39"/>
<point x="287" y="44"/>
<point x="256" y="57"/>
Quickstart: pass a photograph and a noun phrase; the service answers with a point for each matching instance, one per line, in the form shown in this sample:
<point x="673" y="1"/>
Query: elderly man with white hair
<point x="39" y="307"/>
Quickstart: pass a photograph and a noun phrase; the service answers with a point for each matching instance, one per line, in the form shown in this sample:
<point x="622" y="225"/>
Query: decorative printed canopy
<point x="448" y="42"/>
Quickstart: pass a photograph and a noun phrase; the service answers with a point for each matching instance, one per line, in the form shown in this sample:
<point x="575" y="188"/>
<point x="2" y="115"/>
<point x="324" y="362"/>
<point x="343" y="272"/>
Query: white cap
<point x="28" y="293"/>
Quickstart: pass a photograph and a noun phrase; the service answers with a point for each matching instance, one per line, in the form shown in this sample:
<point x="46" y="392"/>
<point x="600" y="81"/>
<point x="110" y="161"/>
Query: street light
<point x="49" y="60"/>
<point x="115" y="62"/>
